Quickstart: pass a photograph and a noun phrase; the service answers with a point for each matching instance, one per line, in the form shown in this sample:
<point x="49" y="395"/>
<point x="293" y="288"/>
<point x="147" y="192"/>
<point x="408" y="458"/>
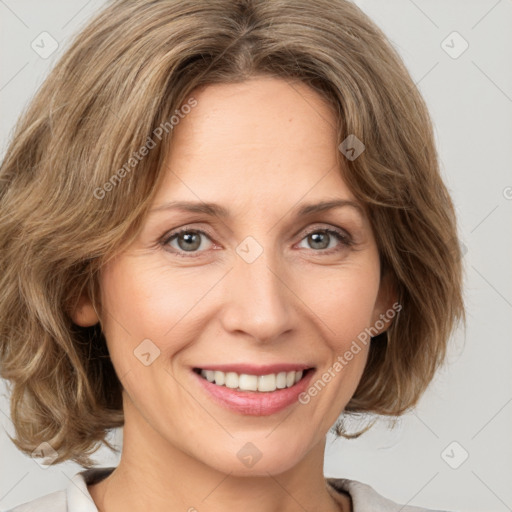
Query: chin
<point x="260" y="457"/>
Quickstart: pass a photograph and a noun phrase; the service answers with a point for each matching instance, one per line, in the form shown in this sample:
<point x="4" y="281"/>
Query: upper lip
<point x="252" y="369"/>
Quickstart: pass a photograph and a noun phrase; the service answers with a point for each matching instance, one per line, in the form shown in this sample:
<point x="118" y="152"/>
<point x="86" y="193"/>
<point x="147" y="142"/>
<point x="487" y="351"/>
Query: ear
<point x="84" y="313"/>
<point x="386" y="305"/>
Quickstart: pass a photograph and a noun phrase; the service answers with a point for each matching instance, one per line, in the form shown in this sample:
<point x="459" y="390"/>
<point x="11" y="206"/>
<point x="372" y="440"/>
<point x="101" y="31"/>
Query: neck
<point x="155" y="475"/>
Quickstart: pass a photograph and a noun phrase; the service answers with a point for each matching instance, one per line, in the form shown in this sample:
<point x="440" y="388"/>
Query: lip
<point x="254" y="403"/>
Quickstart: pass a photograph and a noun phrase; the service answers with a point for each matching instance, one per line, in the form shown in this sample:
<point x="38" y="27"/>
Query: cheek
<point x="345" y="303"/>
<point x="152" y="301"/>
<point x="148" y="300"/>
<point x="345" y="308"/>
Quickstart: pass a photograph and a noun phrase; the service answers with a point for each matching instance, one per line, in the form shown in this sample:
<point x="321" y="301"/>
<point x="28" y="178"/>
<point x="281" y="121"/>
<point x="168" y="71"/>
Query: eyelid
<point x="327" y="227"/>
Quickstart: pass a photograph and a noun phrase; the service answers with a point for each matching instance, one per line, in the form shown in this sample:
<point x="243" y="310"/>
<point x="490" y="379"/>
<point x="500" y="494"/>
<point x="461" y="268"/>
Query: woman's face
<point x="258" y="289"/>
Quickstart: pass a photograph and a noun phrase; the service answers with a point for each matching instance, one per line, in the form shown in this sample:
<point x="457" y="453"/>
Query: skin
<point x="260" y="149"/>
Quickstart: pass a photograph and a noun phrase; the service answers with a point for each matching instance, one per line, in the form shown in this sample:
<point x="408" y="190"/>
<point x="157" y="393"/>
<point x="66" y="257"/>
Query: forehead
<point x="257" y="112"/>
<point x="260" y="138"/>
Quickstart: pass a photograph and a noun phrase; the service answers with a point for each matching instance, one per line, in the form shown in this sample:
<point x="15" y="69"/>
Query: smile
<point x="254" y="390"/>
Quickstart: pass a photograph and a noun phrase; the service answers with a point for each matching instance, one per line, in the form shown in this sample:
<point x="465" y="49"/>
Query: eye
<point x="189" y="242"/>
<point x="186" y="240"/>
<point x="328" y="240"/>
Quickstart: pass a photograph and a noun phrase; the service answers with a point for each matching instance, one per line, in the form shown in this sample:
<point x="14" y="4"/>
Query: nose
<point x="257" y="300"/>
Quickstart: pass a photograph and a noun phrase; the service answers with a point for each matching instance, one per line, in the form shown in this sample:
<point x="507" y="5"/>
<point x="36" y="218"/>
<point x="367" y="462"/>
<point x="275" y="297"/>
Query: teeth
<point x="231" y="380"/>
<point x="267" y="382"/>
<point x="245" y="382"/>
<point x="281" y="380"/>
<point x="219" y="377"/>
<point x="248" y="382"/>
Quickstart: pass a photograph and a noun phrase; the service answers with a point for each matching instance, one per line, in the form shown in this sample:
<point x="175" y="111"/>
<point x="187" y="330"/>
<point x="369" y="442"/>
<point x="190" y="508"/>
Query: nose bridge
<point x="257" y="301"/>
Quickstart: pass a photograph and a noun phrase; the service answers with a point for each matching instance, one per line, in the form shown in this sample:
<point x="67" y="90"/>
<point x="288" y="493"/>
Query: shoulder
<point x="54" y="502"/>
<point x="366" y="499"/>
<point x="75" y="498"/>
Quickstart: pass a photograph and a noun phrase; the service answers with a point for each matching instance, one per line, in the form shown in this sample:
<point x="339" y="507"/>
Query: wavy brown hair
<point x="125" y="74"/>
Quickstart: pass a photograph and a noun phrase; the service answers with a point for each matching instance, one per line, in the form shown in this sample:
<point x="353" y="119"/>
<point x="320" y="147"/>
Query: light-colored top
<point x="76" y="497"/>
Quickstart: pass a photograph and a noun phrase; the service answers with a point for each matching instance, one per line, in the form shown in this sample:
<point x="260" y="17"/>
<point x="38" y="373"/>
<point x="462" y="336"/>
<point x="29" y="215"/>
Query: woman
<point x="223" y="224"/>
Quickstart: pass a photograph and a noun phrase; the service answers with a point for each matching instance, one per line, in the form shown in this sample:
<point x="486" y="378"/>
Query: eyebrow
<point x="220" y="211"/>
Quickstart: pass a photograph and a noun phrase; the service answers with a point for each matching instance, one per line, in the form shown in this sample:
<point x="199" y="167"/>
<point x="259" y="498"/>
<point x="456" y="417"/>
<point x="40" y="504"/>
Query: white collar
<point x="78" y="497"/>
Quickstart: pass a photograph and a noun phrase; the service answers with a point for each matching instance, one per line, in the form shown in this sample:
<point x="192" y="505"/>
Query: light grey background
<point x="470" y="99"/>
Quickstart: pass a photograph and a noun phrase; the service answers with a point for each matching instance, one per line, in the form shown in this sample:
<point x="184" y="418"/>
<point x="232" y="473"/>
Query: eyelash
<point x="345" y="239"/>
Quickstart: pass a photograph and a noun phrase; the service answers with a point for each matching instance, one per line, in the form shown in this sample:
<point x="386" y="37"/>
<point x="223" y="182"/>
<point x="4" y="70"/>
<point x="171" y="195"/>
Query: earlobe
<point x="84" y="314"/>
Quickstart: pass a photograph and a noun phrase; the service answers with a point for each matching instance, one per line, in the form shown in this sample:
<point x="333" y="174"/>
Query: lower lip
<point x="254" y="403"/>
